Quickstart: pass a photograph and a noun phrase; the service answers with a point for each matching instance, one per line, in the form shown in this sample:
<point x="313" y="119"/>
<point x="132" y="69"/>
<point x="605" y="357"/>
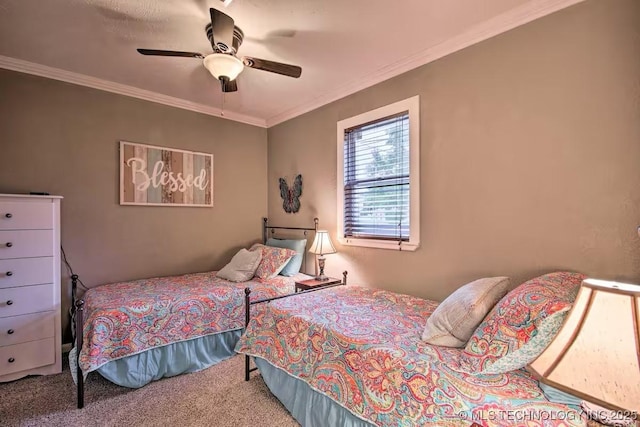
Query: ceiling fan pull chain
<point x="222" y="109"/>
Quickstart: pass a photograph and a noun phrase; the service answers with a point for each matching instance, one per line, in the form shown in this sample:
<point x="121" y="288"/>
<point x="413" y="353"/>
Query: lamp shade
<point x="596" y="354"/>
<point x="322" y="244"/>
<point x="223" y="65"/>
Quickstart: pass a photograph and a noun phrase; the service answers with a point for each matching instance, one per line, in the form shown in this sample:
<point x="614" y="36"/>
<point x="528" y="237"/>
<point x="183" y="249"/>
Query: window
<point x="379" y="177"/>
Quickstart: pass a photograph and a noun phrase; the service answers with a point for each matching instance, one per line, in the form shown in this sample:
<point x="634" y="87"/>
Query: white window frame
<point x="412" y="105"/>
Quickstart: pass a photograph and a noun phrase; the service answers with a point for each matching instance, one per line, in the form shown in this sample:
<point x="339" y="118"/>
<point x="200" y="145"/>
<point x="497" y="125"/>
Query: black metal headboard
<point x="273" y="228"/>
<point x="305" y="230"/>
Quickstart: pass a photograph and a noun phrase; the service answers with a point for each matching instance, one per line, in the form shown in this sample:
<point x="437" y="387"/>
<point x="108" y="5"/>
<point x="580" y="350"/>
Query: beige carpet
<point x="217" y="396"/>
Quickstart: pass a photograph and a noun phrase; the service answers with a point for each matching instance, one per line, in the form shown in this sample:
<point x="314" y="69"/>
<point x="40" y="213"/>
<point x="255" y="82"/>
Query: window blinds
<point x="376" y="179"/>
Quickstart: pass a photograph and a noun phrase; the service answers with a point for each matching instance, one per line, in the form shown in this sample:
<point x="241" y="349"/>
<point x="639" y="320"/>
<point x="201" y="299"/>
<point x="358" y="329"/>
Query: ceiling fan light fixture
<point x="223" y="65"/>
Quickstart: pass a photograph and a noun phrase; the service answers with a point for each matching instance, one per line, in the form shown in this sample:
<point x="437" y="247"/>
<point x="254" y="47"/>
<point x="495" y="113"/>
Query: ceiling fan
<point x="223" y="64"/>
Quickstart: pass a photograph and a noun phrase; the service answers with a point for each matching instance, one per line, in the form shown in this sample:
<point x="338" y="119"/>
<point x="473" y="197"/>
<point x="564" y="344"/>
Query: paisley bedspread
<point x="122" y="319"/>
<point x="361" y="347"/>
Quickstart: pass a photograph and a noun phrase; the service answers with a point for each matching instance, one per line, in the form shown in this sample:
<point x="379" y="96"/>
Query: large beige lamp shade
<point x="322" y="245"/>
<point x="596" y="354"/>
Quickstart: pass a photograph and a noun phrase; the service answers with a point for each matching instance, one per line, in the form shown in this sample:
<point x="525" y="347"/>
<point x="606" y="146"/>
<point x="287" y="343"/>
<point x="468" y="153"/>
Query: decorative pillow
<point x="273" y="260"/>
<point x="294" y="264"/>
<point x="513" y="321"/>
<point x="458" y="316"/>
<point x="242" y="266"/>
<point x="540" y="339"/>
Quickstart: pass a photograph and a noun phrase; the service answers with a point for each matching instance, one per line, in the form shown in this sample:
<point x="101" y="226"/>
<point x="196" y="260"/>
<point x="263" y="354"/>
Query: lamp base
<point x="321" y="277"/>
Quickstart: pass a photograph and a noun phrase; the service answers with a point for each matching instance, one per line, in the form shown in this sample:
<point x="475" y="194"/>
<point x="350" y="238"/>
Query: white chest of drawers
<point x="30" y="333"/>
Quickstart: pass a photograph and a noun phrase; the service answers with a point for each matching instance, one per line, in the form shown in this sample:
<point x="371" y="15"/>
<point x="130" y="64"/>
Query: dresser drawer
<point x="25" y="271"/>
<point x="28" y="327"/>
<point x="26" y="215"/>
<point x="18" y="357"/>
<point x="27" y="299"/>
<point x="26" y="243"/>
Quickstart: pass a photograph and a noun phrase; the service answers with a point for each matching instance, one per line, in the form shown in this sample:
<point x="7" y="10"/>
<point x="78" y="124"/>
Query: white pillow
<point x="453" y="322"/>
<point x="242" y="266"/>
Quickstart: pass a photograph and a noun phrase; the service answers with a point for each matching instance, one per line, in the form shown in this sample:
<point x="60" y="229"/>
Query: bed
<point x="139" y="331"/>
<point x="352" y="356"/>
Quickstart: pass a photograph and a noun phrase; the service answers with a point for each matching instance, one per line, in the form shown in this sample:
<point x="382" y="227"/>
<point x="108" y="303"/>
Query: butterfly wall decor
<point x="291" y="196"/>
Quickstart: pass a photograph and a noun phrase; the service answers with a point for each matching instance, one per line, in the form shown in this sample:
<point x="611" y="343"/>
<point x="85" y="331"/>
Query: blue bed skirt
<point x="178" y="358"/>
<point x="308" y="406"/>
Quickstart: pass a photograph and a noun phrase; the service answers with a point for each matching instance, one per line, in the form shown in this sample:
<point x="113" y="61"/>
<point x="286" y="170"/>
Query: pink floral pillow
<point x="273" y="260"/>
<point x="513" y="321"/>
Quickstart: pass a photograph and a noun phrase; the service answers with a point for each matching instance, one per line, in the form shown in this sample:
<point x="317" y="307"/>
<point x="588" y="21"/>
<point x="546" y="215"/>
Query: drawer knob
<point x="9" y="302"/>
<point x="9" y="215"/>
<point x="9" y="273"/>
<point x="11" y="360"/>
<point x="10" y="331"/>
<point x="9" y="244"/>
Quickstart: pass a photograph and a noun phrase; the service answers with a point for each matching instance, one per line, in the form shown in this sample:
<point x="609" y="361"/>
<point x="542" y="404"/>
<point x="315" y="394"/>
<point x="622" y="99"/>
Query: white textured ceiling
<point x="341" y="45"/>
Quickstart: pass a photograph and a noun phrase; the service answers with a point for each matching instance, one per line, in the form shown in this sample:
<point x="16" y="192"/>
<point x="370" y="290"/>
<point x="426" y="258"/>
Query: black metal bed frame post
<point x="315" y="262"/>
<point x="78" y="304"/>
<point x="247" y="317"/>
<point x="264" y="229"/>
<point x="79" y="375"/>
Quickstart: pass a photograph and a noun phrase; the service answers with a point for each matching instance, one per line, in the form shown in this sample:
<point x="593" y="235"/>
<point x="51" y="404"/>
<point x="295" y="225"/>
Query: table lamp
<point x="322" y="246"/>
<point x="596" y="354"/>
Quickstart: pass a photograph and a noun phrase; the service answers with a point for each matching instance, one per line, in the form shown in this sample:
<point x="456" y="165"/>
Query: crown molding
<point x="122" y="89"/>
<point x="504" y="22"/>
<point x="521" y="15"/>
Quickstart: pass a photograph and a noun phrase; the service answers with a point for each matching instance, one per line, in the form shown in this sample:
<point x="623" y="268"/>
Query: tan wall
<point x="64" y="139"/>
<point x="530" y="157"/>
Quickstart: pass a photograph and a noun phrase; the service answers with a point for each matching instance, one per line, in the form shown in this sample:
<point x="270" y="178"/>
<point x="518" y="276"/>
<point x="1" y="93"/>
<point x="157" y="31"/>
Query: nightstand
<point x="305" y="285"/>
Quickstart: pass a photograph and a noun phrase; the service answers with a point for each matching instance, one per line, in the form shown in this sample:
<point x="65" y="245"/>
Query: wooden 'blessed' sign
<point x="160" y="176"/>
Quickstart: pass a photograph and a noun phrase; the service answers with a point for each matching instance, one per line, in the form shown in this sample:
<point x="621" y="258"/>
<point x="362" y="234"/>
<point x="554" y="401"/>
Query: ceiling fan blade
<point x="222" y="26"/>
<point x="154" y="52"/>
<point x="229" y="85"/>
<point x="272" y="66"/>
